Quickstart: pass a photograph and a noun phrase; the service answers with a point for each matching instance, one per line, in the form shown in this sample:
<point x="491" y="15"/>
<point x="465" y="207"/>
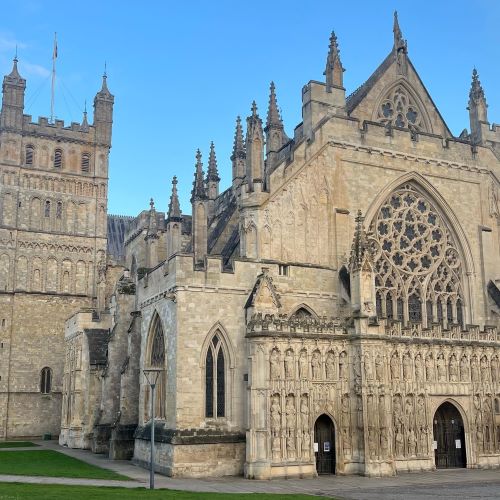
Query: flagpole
<point x="54" y="56"/>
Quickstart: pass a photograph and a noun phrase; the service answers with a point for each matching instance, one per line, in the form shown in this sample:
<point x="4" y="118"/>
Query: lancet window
<point x="418" y="265"/>
<point x="156" y="359"/>
<point x="215" y="380"/>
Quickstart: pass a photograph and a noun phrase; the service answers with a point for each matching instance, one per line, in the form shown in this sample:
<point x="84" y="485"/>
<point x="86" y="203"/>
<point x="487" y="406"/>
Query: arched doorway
<point x="324" y="445"/>
<point x="449" y="437"/>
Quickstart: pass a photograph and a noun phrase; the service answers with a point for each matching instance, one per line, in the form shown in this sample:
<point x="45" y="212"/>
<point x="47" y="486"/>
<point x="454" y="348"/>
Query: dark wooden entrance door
<point x="324" y="443"/>
<point x="450" y="437"/>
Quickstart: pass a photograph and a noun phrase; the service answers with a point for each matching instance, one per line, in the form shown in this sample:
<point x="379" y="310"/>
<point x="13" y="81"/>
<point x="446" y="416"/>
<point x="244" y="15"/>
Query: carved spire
<point x="334" y="69"/>
<point x="273" y="115"/>
<point x="212" y="174"/>
<point x="478" y="109"/>
<point x="85" y="124"/>
<point x="198" y="192"/>
<point x="174" y="207"/>
<point x="254" y="148"/>
<point x="153" y="223"/>
<point x="476" y="93"/>
<point x="13" y="89"/>
<point x="238" y="156"/>
<point x="14" y="74"/>
<point x="361" y="251"/>
<point x="400" y="47"/>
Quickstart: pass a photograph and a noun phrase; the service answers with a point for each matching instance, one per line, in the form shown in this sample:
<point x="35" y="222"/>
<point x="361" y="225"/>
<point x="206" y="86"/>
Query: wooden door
<point x="449" y="436"/>
<point x="324" y="439"/>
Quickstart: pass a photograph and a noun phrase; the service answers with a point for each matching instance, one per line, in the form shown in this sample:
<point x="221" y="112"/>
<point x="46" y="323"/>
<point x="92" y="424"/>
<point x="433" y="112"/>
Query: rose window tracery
<point x="416" y="260"/>
<point x="399" y="109"/>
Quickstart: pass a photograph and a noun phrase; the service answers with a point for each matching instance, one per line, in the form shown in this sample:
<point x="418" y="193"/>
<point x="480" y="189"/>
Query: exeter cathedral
<point x="335" y="310"/>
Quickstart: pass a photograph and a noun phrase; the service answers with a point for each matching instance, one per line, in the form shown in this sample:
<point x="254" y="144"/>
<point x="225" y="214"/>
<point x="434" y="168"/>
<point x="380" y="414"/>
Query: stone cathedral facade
<point x="335" y="310"/>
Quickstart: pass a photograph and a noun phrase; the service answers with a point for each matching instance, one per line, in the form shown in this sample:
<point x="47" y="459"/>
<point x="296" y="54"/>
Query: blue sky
<point x="182" y="71"/>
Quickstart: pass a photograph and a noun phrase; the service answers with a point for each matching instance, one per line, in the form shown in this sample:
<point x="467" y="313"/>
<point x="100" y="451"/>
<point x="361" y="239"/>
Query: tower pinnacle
<point x="174" y="208"/>
<point x="400" y="48"/>
<point x="198" y="192"/>
<point x="273" y="115"/>
<point x="334" y="69"/>
<point x="212" y="173"/>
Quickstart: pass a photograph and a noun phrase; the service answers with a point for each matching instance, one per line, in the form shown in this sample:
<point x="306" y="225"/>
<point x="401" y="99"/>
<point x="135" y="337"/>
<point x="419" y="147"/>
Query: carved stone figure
<point x="290" y="415"/>
<point x="276" y="448"/>
<point x="304" y="413"/>
<point x="275" y="416"/>
<point x="422" y="441"/>
<point x="384" y="443"/>
<point x="345" y="410"/>
<point x="372" y="442"/>
<point x="343" y="366"/>
<point x="407" y="375"/>
<point x="441" y="368"/>
<point x="346" y="442"/>
<point x="398" y="443"/>
<point x="429" y="368"/>
<point x="398" y="412"/>
<point x="290" y="447"/>
<point x="412" y="443"/>
<point x="485" y="369"/>
<point x="275" y="364"/>
<point x="330" y="366"/>
<point x="289" y="365"/>
<point x="419" y="369"/>
<point x="379" y="368"/>
<point x="395" y="370"/>
<point x="494" y="369"/>
<point x="474" y="368"/>
<point x="453" y="368"/>
<point x="359" y="411"/>
<point x="303" y="365"/>
<point x="382" y="413"/>
<point x="306" y="445"/>
<point x="420" y="413"/>
<point x="316" y="365"/>
<point x="464" y="369"/>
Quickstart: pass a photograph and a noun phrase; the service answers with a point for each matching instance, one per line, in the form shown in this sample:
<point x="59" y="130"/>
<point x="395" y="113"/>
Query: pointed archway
<point x="449" y="437"/>
<point x="324" y="445"/>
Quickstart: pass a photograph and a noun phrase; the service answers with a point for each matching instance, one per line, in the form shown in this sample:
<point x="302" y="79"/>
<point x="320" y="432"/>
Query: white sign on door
<point x="434" y="445"/>
<point x="458" y="443"/>
<point x="316" y="447"/>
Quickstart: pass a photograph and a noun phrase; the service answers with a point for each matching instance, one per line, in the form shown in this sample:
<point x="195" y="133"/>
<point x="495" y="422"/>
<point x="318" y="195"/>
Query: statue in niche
<point x="345" y="410"/>
<point x="464" y="369"/>
<point x="303" y="365"/>
<point x="408" y="411"/>
<point x="422" y="440"/>
<point x="346" y="442"/>
<point x="494" y="200"/>
<point x="290" y="415"/>
<point x="399" y="443"/>
<point x="304" y="412"/>
<point x="379" y="368"/>
<point x="275" y="364"/>
<point x="479" y="438"/>
<point x="474" y="368"/>
<point x="420" y="413"/>
<point x="384" y="443"/>
<point x="368" y="368"/>
<point x="485" y="369"/>
<point x="290" y="447"/>
<point x="407" y="375"/>
<point x="275" y="416"/>
<point x="453" y="368"/>
<point x="395" y="367"/>
<point x="441" y="368"/>
<point x="419" y="368"/>
<point x="289" y="362"/>
<point x="330" y="366"/>
<point x="306" y="445"/>
<point x="429" y="368"/>
<point x="343" y="366"/>
<point x="412" y="443"/>
<point x="316" y="365"/>
<point x="494" y="369"/>
<point x="276" y="448"/>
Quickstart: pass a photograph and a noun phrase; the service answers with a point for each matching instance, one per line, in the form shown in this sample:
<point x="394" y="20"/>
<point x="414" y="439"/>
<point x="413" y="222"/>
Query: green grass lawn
<point x="17" y="491"/>
<point x="16" y="444"/>
<point x="50" y="463"/>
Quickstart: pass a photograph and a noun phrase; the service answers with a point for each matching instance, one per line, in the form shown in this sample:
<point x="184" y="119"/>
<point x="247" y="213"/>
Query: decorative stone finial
<point x="400" y="47"/>
<point x="198" y="192"/>
<point x="212" y="173"/>
<point x="273" y="114"/>
<point x="174" y="208"/>
<point x="361" y="251"/>
<point x="334" y="69"/>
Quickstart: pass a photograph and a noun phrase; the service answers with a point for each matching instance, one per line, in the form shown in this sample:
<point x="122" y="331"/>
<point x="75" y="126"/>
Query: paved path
<point x="445" y="484"/>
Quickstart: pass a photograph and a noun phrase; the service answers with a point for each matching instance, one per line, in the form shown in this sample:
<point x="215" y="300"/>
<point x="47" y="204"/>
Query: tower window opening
<point x="85" y="162"/>
<point x="58" y="157"/>
<point x="30" y="151"/>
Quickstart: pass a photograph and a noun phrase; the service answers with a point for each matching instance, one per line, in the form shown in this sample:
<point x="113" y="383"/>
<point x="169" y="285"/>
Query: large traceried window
<point x="419" y="271"/>
<point x="156" y="359"/>
<point x="215" y="380"/>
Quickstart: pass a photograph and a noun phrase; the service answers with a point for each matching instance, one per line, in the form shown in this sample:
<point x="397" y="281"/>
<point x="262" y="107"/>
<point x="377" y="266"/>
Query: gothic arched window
<point x="215" y="380"/>
<point x="156" y="359"/>
<point x="85" y="162"/>
<point x="416" y="259"/>
<point x="46" y="380"/>
<point x="47" y="209"/>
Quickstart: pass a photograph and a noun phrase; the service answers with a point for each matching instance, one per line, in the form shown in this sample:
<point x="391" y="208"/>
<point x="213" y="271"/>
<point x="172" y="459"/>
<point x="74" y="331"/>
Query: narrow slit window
<point x="85" y="162"/>
<point x="46" y="380"/>
<point x="30" y="153"/>
<point x="58" y="158"/>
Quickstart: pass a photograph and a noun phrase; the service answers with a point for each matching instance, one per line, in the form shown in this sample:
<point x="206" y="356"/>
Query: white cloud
<point x="33" y="69"/>
<point x="9" y="44"/>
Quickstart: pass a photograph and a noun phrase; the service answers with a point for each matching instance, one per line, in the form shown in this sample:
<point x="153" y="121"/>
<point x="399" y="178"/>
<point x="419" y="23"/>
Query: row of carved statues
<point x="434" y="365"/>
<point x="397" y="426"/>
